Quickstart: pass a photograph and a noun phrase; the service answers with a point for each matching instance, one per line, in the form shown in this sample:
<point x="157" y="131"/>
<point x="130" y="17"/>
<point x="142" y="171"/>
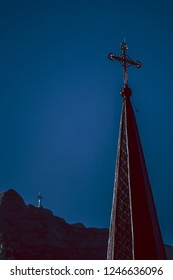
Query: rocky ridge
<point x="29" y="232"/>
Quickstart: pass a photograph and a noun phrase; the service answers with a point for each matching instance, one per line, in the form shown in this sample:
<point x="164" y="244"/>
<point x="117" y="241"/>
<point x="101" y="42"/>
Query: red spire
<point x="134" y="230"/>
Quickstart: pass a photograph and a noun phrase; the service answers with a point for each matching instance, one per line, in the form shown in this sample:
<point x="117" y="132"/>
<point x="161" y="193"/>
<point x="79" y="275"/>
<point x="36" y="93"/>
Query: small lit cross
<point x="40" y="198"/>
<point x="125" y="61"/>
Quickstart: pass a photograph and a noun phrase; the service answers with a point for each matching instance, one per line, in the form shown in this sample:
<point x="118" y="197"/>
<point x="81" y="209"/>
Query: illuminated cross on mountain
<point x="40" y="198"/>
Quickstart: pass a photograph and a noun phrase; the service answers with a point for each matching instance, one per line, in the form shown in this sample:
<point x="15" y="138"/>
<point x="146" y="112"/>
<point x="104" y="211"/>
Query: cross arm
<point x="124" y="59"/>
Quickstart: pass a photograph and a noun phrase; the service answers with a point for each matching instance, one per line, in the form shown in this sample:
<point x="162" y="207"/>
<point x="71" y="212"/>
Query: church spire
<point x="134" y="228"/>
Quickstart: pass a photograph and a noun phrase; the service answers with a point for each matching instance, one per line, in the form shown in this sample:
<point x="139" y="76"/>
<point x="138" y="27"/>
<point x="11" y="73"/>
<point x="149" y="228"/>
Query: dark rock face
<point x="28" y="232"/>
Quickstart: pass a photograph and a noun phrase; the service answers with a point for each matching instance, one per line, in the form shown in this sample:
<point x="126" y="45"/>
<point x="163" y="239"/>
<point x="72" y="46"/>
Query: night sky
<point x="60" y="104"/>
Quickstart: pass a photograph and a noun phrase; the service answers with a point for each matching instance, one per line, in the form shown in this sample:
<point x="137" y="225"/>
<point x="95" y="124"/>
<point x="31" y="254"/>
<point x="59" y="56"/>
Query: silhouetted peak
<point x="11" y="200"/>
<point x="30" y="232"/>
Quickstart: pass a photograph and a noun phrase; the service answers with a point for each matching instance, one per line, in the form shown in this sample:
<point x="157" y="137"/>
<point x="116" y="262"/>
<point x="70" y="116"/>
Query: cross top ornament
<point x="125" y="61"/>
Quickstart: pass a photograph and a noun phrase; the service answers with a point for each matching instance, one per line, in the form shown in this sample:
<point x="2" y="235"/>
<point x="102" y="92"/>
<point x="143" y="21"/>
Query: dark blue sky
<point x="60" y="104"/>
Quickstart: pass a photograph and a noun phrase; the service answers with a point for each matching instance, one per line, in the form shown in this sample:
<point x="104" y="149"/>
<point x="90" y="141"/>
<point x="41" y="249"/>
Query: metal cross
<point x="40" y="198"/>
<point x="125" y="61"/>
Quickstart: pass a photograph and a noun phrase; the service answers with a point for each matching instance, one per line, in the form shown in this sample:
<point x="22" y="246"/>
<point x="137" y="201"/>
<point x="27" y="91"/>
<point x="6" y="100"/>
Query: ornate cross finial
<point x="125" y="61"/>
<point x="40" y="198"/>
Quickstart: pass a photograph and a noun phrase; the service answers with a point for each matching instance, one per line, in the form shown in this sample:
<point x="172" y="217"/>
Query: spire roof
<point x="134" y="230"/>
